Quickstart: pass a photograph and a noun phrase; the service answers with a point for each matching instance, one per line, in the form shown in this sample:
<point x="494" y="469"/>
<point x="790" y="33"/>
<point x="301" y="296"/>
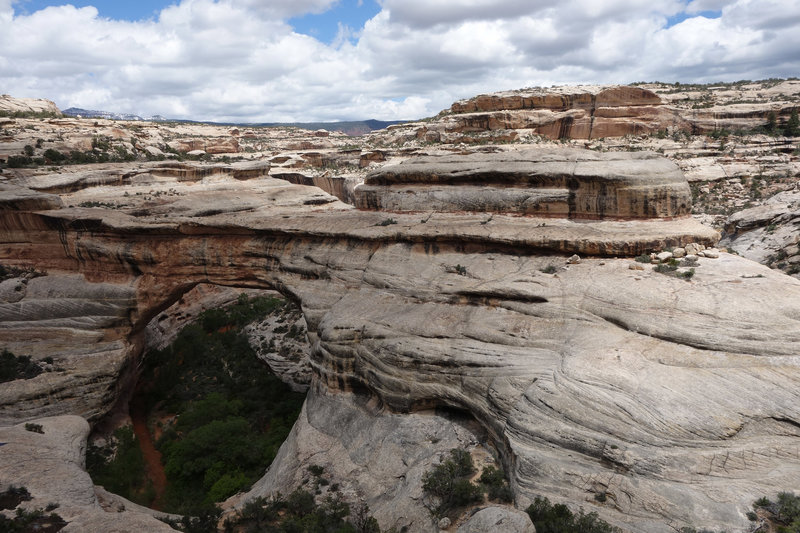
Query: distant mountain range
<point x="353" y="127"/>
<point x="92" y="113"/>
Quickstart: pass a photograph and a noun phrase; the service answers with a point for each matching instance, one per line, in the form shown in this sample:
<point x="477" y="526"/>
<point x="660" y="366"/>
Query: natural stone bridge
<point x="676" y="400"/>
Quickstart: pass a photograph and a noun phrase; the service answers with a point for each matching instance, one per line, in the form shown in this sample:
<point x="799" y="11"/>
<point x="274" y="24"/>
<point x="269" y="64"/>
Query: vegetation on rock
<point x="299" y="512"/>
<point x="119" y="467"/>
<point x="17" y="367"/>
<point x="228" y="414"/>
<point x="25" y="520"/>
<point x="449" y="483"/>
<point x="557" y="518"/>
<point x="781" y="516"/>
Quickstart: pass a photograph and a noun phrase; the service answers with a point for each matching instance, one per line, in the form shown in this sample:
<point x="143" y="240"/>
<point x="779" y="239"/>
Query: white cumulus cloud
<point x="240" y="60"/>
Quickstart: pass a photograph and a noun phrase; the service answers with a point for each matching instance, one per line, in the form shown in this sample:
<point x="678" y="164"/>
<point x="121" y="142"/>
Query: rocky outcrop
<point x="228" y="145"/>
<point x="598" y="112"/>
<point x="581" y="112"/>
<point x="585" y="375"/>
<point x="338" y="433"/>
<point x="573" y="184"/>
<point x="9" y="104"/>
<point x="50" y="464"/>
<point x="498" y="519"/>
<point x="769" y="233"/>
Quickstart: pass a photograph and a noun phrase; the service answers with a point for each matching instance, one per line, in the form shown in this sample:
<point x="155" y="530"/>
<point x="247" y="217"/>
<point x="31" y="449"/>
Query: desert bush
<point x="557" y="518"/>
<point x="17" y="367"/>
<point x="448" y="482"/>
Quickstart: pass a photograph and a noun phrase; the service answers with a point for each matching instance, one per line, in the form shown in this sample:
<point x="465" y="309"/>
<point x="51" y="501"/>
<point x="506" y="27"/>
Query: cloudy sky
<point x="309" y="60"/>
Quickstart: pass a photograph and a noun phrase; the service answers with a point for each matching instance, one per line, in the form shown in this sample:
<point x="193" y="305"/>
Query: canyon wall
<point x="585" y="373"/>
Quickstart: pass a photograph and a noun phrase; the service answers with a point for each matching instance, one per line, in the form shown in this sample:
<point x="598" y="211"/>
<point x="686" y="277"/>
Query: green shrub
<point x="54" y="156"/>
<point x="549" y="518"/>
<point x="792" y="127"/>
<point x="386" y="222"/>
<point x="449" y="484"/>
<point x="300" y="513"/>
<point x="14" y="367"/>
<point x="25" y="521"/>
<point x="782" y="515"/>
<point x="495" y="482"/>
<point x="34" y="428"/>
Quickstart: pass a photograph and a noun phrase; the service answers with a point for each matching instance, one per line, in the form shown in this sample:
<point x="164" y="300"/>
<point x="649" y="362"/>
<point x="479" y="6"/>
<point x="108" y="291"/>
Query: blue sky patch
<point x="680" y="17"/>
<point x="111" y="9"/>
<point x="325" y="26"/>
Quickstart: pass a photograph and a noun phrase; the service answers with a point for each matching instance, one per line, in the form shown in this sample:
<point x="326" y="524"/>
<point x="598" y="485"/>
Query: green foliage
<point x="25" y="521"/>
<point x="232" y="412"/>
<point x="549" y="269"/>
<point x="792" y="127"/>
<point x="17" y="367"/>
<point x="119" y="467"/>
<point x="772" y="122"/>
<point x="205" y="522"/>
<point x="495" y="482"/>
<point x="644" y="258"/>
<point x="299" y="513"/>
<point x="29" y="114"/>
<point x="54" y="156"/>
<point x="34" y="428"/>
<point x="19" y="161"/>
<point x="784" y="514"/>
<point x="449" y="483"/>
<point x="671" y="269"/>
<point x="549" y="518"/>
<point x="386" y="222"/>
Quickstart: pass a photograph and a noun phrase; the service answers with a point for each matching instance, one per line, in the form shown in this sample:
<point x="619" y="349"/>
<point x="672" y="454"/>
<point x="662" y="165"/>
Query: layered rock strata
<point x="594" y="112"/>
<point x="564" y="183"/>
<point x="586" y="376"/>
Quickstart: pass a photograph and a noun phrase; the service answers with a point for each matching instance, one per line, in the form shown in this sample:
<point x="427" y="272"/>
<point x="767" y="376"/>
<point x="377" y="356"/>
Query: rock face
<point x="498" y="519"/>
<point x="601" y="112"/>
<point x="594" y="112"/>
<point x="569" y="112"/>
<point x="565" y="183"/>
<point x="677" y="400"/>
<point x="51" y="466"/>
<point x="338" y="432"/>
<point x="9" y="104"/>
<point x="769" y="233"/>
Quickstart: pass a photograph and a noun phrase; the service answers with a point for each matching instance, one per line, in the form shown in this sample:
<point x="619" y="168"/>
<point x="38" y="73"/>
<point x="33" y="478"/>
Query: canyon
<point x="464" y="280"/>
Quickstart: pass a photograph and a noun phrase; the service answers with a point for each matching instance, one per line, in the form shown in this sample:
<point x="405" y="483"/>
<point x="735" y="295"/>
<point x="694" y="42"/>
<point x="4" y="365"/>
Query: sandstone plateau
<point x="447" y="310"/>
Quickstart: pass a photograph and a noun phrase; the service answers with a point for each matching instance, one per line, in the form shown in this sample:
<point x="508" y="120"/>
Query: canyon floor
<point x="486" y="279"/>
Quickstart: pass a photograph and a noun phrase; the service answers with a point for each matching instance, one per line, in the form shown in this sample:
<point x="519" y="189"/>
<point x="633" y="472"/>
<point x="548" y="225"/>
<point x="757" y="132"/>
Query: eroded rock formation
<point x="562" y="183"/>
<point x="675" y="399"/>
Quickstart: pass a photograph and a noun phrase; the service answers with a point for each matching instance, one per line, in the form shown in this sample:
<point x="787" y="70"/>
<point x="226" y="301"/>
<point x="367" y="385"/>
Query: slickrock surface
<point x="676" y="399"/>
<point x="9" y="104"/>
<point x="563" y="183"/>
<point x="376" y="457"/>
